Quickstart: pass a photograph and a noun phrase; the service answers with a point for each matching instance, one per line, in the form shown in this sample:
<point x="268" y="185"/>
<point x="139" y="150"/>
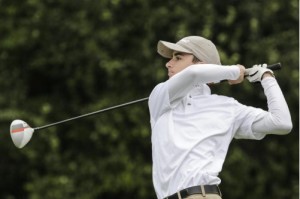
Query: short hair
<point x="195" y="59"/>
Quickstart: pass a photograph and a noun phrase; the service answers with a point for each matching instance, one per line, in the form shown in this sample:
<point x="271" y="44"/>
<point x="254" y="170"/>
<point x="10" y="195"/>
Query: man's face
<point x="178" y="62"/>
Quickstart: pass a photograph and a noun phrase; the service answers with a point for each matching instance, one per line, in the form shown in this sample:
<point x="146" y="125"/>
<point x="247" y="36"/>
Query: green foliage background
<point x="60" y="59"/>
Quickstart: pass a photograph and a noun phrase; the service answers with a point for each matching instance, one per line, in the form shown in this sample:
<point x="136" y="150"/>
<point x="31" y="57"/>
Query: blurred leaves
<point x="60" y="59"/>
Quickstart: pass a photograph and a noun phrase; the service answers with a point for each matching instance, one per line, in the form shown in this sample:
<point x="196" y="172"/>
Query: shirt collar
<point x="200" y="89"/>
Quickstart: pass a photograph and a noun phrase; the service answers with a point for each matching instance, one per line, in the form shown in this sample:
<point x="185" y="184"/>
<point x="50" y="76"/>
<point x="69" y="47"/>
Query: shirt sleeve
<point x="158" y="102"/>
<point x="278" y="119"/>
<point x="255" y="123"/>
<point x="181" y="83"/>
<point x="168" y="94"/>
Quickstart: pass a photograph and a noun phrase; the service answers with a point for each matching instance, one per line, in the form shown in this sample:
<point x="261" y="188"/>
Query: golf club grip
<point x="276" y="66"/>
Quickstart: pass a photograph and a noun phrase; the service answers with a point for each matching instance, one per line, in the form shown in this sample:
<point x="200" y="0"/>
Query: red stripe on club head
<point x="19" y="130"/>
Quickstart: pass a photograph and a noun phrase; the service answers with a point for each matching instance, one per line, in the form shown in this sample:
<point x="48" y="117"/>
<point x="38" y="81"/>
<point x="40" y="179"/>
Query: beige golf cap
<point x="200" y="47"/>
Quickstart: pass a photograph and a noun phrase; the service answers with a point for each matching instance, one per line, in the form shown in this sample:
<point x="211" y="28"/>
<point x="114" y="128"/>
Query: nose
<point x="169" y="64"/>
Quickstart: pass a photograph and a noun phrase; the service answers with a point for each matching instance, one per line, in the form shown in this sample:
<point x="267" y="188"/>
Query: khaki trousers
<point x="207" y="196"/>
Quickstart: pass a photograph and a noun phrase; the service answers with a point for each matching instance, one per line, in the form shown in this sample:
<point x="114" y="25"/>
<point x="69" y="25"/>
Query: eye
<point x="177" y="58"/>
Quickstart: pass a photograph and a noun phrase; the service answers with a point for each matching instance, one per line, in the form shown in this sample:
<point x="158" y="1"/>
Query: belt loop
<point x="219" y="191"/>
<point x="178" y="194"/>
<point x="203" y="190"/>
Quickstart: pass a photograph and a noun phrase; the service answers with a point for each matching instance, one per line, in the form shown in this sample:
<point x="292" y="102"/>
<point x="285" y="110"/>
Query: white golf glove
<point x="255" y="73"/>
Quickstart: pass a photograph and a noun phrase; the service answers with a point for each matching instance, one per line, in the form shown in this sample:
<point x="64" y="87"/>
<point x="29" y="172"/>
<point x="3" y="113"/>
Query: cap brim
<point x="166" y="49"/>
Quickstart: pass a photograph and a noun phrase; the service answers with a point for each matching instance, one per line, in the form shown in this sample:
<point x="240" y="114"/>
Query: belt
<point x="205" y="189"/>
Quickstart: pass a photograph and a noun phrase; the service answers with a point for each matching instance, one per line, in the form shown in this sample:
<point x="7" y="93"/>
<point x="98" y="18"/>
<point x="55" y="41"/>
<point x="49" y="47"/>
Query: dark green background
<point x="60" y="59"/>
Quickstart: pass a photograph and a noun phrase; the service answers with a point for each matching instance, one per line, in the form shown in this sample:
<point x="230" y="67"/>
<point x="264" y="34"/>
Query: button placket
<point x="189" y="100"/>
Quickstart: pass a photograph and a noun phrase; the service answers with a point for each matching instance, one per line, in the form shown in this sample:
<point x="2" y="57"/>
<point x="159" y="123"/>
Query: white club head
<point x="20" y="133"/>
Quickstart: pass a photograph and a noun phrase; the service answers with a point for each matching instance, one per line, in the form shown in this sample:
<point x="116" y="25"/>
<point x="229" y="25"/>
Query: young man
<point x="192" y="129"/>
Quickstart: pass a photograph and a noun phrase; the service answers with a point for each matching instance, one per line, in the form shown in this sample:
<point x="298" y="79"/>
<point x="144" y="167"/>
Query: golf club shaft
<point x="92" y="113"/>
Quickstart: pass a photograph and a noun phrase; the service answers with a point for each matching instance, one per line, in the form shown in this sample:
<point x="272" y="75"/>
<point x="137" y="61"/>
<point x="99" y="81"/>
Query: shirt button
<point x="190" y="96"/>
<point x="189" y="104"/>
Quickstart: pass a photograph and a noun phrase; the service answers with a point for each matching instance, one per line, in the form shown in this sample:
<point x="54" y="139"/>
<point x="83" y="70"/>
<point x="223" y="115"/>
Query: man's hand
<point x="241" y="77"/>
<point x="258" y="72"/>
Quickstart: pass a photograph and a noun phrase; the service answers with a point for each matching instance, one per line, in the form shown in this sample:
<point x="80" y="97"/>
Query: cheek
<point x="182" y="67"/>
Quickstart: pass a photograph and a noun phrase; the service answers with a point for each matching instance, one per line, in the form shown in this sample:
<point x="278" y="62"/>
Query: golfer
<point x="192" y="129"/>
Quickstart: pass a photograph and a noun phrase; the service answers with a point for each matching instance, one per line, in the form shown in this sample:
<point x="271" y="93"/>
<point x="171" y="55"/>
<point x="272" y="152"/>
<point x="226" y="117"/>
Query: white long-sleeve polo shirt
<point x="192" y="129"/>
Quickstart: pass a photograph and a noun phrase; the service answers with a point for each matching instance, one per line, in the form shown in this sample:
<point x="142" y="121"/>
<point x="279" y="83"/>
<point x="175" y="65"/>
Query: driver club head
<point x="20" y="133"/>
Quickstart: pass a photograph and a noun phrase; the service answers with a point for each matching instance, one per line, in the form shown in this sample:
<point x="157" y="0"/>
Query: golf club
<point x="21" y="132"/>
